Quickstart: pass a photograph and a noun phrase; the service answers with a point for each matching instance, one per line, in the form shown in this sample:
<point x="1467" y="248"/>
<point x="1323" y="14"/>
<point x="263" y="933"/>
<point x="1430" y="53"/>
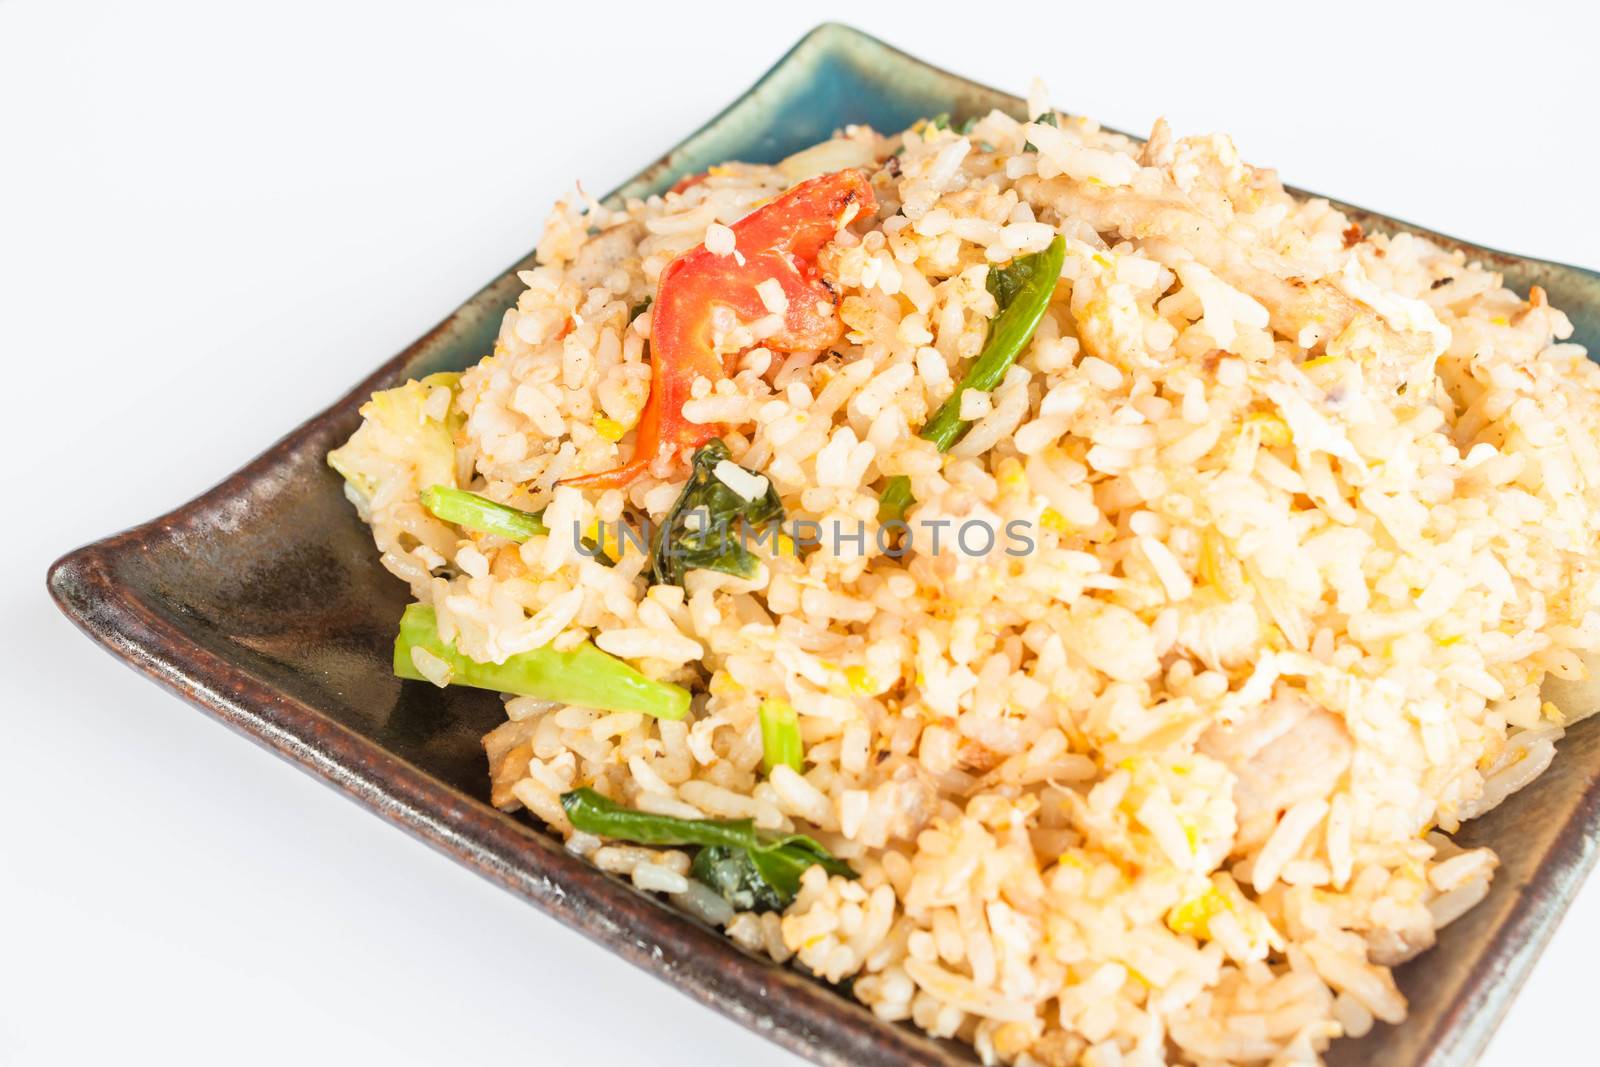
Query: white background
<point x="215" y="218"/>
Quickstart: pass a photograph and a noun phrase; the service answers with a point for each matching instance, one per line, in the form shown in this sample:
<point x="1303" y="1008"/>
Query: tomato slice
<point x="780" y="241"/>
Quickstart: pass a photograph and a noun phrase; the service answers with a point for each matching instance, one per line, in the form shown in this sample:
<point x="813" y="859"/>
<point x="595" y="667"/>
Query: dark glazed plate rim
<point x="98" y="587"/>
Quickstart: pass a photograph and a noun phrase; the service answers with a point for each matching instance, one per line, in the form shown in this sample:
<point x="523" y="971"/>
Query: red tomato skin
<point x="779" y="240"/>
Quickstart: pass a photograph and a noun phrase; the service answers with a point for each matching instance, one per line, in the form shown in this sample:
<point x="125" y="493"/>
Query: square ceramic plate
<point x="263" y="603"/>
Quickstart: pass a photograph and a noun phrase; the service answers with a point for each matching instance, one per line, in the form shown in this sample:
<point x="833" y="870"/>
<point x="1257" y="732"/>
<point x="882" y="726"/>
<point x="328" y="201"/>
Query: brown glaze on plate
<point x="263" y="603"/>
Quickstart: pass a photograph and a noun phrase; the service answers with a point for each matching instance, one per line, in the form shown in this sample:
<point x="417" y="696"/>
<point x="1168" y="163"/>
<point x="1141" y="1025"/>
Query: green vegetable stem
<point x="584" y="676"/>
<point x="780" y="736"/>
<point x="1022" y="291"/>
<point x="473" y="512"/>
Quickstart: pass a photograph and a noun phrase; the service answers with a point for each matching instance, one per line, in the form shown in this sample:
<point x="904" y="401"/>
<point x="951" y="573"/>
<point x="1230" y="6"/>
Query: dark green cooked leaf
<point x="711" y="526"/>
<point x="1005" y="282"/>
<point x="734" y="877"/>
<point x="774" y="860"/>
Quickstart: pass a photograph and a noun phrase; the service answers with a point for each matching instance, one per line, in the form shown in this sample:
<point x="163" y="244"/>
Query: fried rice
<point x="1313" y="518"/>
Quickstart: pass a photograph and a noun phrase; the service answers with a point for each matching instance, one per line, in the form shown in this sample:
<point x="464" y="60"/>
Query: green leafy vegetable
<point x="707" y="528"/>
<point x="584" y="676"/>
<point x="967" y="125"/>
<point x="894" y="500"/>
<point x="595" y="813"/>
<point x="777" y="860"/>
<point x="782" y="867"/>
<point x="476" y="512"/>
<point x="1004" y="283"/>
<point x="780" y="736"/>
<point x="941" y="121"/>
<point x="640" y="308"/>
<point x="1021" y="291"/>
<point x="732" y="875"/>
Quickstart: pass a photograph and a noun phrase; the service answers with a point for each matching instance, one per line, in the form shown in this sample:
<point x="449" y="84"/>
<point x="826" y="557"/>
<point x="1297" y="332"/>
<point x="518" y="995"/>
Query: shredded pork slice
<point x="1288" y="751"/>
